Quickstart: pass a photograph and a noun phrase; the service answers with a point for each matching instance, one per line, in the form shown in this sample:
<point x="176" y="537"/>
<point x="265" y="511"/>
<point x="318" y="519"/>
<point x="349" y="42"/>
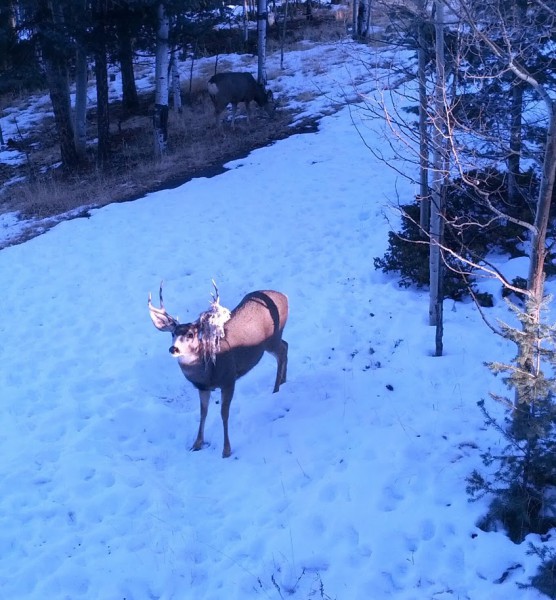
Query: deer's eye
<point x="189" y="335"/>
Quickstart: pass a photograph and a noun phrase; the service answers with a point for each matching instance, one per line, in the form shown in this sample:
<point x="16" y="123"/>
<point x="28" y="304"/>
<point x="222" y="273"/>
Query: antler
<point x="216" y="295"/>
<point x="160" y="318"/>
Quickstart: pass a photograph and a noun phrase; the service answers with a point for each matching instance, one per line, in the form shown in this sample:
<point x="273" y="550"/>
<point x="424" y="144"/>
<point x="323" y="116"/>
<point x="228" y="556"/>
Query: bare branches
<point x="508" y="54"/>
<point x="550" y="10"/>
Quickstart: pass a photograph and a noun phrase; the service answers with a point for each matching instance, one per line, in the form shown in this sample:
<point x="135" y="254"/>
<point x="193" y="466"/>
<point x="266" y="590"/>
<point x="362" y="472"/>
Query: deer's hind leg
<point x="280" y="353"/>
<point x="226" y="399"/>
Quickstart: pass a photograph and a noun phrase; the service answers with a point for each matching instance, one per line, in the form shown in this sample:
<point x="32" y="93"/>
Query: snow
<point x="349" y="483"/>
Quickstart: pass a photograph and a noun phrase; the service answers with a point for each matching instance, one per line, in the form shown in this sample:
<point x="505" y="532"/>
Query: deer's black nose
<point x="173" y="350"/>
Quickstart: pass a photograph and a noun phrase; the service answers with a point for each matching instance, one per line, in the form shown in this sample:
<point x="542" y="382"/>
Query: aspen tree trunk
<point x="262" y="15"/>
<point x="160" y="117"/>
<point x="437" y="204"/>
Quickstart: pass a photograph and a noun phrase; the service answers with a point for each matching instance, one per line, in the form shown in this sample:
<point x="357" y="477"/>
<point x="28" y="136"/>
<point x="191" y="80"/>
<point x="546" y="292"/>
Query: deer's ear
<point x="160" y="318"/>
<point x="163" y="322"/>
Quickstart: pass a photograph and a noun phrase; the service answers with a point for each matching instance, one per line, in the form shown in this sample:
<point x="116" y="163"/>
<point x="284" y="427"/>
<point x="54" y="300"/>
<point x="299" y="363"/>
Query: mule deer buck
<point x="215" y="357"/>
<point x="233" y="88"/>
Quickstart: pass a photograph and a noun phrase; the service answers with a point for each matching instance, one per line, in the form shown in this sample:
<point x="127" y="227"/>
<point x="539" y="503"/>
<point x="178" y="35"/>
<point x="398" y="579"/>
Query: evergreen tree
<point x="524" y="472"/>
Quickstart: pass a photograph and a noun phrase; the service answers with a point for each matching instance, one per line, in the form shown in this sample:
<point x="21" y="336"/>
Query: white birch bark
<point x="261" y="49"/>
<point x="437" y="208"/>
<point x="160" y="119"/>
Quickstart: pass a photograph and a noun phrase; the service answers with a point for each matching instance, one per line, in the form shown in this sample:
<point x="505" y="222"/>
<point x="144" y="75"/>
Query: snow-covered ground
<point x="347" y="484"/>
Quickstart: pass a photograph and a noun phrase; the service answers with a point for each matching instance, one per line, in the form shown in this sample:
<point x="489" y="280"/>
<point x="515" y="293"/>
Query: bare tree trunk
<point x="262" y="15"/>
<point x="437" y="204"/>
<point x="130" y="99"/>
<point x="160" y="117"/>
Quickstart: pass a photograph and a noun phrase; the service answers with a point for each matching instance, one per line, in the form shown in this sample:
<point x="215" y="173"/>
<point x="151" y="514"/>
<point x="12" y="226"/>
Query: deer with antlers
<point x="222" y="346"/>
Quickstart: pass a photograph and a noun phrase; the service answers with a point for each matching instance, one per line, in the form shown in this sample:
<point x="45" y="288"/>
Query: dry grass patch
<point x="306" y="96"/>
<point x="195" y="146"/>
<point x="314" y="66"/>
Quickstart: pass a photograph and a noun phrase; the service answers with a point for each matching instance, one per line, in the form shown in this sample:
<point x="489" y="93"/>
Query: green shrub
<point x="473" y="229"/>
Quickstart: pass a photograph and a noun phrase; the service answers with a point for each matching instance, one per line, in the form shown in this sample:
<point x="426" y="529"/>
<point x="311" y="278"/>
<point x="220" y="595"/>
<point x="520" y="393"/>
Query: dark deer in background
<point x="233" y="88"/>
<point x="254" y="326"/>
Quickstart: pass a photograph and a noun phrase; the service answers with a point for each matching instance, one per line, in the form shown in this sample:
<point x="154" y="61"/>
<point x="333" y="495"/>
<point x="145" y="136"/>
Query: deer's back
<point x="235" y="87"/>
<point x="259" y="317"/>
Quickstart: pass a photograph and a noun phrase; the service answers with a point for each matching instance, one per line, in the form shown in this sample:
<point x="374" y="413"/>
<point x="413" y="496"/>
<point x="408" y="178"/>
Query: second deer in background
<point x="233" y="88"/>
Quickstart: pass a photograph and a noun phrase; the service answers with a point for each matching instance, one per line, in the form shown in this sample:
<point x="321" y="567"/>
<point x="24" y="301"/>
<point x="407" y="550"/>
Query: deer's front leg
<point x="226" y="398"/>
<point x="204" y="396"/>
